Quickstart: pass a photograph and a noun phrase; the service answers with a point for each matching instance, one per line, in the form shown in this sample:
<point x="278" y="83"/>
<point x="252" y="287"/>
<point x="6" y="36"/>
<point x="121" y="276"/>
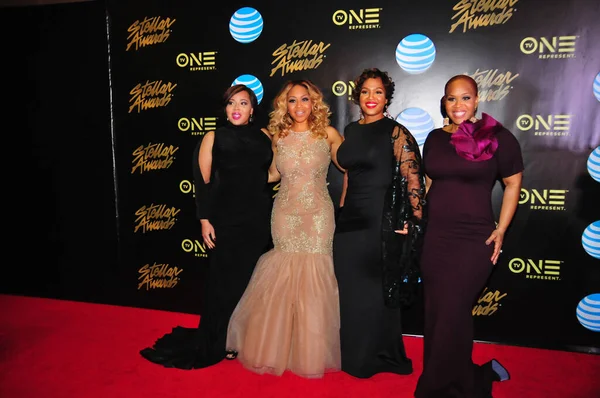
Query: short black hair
<point x="373" y="73"/>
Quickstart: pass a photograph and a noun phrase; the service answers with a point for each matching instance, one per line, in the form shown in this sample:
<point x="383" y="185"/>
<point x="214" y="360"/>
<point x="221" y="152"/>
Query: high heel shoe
<point x="500" y="370"/>
<point x="231" y="355"/>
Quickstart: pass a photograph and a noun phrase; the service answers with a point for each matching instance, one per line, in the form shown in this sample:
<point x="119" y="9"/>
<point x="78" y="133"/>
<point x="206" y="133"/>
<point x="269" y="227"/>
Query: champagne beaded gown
<point x="288" y="317"/>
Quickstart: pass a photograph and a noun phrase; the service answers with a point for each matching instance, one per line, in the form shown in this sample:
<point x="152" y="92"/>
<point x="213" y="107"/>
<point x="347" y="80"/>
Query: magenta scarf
<point x="476" y="141"/>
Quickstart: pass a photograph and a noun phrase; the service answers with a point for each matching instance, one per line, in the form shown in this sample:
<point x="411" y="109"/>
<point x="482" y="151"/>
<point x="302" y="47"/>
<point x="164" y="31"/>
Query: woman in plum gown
<point x="462" y="243"/>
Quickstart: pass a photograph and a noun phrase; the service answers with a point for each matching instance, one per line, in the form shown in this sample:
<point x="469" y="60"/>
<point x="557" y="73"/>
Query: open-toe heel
<point x="231" y="354"/>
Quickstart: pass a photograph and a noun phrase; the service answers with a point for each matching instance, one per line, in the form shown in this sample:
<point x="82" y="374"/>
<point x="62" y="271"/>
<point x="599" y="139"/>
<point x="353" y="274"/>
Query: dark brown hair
<point x="237" y="88"/>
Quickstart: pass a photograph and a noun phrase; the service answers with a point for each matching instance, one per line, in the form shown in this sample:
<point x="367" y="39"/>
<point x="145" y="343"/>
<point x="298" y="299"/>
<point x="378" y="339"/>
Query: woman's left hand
<point x="497" y="237"/>
<point x="403" y="231"/>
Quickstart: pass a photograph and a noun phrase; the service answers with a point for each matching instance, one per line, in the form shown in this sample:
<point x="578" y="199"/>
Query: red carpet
<point x="53" y="348"/>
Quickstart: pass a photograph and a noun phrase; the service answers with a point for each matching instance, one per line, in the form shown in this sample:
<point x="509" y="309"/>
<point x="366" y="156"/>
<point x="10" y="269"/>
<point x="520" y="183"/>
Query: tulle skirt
<point x="288" y="317"/>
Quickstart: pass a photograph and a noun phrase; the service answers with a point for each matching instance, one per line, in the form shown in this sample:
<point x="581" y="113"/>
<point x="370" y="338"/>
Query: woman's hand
<point x="208" y="233"/>
<point x="403" y="231"/>
<point x="497" y="237"/>
<point x="510" y="200"/>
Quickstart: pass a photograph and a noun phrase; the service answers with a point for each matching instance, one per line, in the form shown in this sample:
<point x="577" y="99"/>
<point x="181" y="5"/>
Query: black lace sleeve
<point x="404" y="205"/>
<point x="203" y="191"/>
<point x="412" y="179"/>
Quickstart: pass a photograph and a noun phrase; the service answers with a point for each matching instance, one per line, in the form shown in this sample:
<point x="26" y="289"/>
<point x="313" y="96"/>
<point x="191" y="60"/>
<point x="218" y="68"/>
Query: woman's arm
<point x="344" y="189"/>
<point x="510" y="201"/>
<point x="410" y="169"/>
<point x="406" y="151"/>
<point x="274" y="175"/>
<point x="335" y="139"/>
<point x="428" y="182"/>
<point x="203" y="200"/>
<point x="205" y="156"/>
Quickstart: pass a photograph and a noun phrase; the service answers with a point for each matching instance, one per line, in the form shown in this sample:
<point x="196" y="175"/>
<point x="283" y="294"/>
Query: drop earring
<point x="446" y="121"/>
<point x="474" y="119"/>
<point x="251" y="118"/>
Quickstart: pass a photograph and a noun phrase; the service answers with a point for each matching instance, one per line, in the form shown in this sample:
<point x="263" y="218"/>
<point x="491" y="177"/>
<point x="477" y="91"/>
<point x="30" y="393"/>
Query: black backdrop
<point x="61" y="237"/>
<point x="100" y="166"/>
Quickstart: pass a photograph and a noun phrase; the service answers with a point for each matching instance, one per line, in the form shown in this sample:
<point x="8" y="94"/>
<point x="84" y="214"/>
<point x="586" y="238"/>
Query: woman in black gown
<point x="233" y="204"/>
<point x="376" y="231"/>
<point x="462" y="162"/>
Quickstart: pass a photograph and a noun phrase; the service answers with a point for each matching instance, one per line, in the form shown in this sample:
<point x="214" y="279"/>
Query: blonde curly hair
<point x="280" y="121"/>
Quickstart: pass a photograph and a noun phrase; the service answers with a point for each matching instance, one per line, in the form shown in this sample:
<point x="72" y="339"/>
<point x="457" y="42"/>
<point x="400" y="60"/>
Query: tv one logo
<point x="197" y="61"/>
<point x="341" y="88"/>
<point x="197" y="125"/>
<point x="366" y="18"/>
<point x="544" y="199"/>
<point x="536" y="269"/>
<point x="194" y="246"/>
<point x="552" y="47"/>
<point x="186" y="187"/>
<point x="545" y="125"/>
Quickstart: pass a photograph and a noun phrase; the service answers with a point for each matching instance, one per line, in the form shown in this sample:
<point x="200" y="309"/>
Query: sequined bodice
<point x="302" y="218"/>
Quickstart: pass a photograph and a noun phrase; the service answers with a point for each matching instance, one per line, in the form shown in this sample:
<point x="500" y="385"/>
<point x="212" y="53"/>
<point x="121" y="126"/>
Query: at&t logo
<point x="366" y="18"/>
<point x="536" y="269"/>
<point x="341" y="88"/>
<point x="544" y="199"/>
<point x="197" y="61"/>
<point x="197" y="125"/>
<point x="194" y="246"/>
<point x="553" y="47"/>
<point x="548" y="125"/>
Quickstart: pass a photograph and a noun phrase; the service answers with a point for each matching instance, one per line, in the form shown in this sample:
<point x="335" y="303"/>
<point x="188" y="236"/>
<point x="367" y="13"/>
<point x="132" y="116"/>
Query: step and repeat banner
<point x="537" y="64"/>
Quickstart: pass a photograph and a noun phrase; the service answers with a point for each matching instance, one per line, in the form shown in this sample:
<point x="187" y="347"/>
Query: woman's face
<point x="239" y="108"/>
<point x="460" y="101"/>
<point x="299" y="104"/>
<point x="372" y="98"/>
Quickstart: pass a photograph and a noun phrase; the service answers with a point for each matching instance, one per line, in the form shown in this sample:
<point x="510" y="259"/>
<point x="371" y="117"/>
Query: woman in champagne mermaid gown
<point x="288" y="317"/>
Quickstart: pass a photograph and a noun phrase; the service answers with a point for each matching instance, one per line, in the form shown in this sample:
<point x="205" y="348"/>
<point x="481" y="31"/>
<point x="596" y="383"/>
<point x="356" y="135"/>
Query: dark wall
<point x="62" y="229"/>
<point x="23" y="3"/>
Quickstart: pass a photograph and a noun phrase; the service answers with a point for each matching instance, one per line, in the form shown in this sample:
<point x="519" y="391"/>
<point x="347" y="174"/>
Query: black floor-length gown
<point x="238" y="203"/>
<point x="370" y="333"/>
<point x="456" y="262"/>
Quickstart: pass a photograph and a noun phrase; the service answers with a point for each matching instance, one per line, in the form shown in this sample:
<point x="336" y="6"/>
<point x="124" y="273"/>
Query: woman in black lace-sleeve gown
<point x="233" y="204"/>
<point x="374" y="246"/>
